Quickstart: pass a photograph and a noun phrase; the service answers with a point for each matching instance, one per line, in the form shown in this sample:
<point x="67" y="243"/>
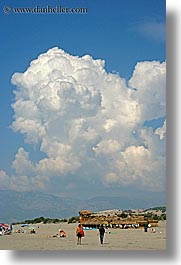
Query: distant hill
<point x="15" y="206"/>
<point x="18" y="206"/>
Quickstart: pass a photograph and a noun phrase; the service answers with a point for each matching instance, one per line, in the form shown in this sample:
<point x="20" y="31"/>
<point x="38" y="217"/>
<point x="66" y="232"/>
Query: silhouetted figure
<point x="101" y="233"/>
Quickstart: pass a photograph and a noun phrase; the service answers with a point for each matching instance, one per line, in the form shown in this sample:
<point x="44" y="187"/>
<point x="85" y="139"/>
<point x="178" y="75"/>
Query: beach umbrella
<point x="4" y="225"/>
<point x="24" y="225"/>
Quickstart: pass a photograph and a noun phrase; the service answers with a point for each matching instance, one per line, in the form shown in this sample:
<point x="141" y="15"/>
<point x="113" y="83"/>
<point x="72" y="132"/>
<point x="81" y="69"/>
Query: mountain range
<point x="19" y="206"/>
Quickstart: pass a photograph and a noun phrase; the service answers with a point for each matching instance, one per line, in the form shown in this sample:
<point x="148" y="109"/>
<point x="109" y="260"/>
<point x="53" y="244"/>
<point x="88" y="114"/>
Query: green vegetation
<point x="73" y="219"/>
<point x="152" y="216"/>
<point x="43" y="220"/>
<point x="159" y="208"/>
<point x="123" y="215"/>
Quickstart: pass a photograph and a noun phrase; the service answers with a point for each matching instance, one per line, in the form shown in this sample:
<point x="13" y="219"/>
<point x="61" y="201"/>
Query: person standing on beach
<point x="101" y="233"/>
<point x="79" y="234"/>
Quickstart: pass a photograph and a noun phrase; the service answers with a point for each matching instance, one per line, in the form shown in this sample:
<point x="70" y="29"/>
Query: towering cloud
<point x="88" y="123"/>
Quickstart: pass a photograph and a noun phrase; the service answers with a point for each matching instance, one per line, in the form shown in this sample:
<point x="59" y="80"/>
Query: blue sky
<point x="120" y="32"/>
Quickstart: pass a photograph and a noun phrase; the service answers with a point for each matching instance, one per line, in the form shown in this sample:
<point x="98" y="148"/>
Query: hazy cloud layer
<point x="88" y="123"/>
<point x="152" y="30"/>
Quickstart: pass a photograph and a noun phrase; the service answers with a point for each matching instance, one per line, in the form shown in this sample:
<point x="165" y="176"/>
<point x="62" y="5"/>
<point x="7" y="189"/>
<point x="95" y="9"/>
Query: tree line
<point x="44" y="220"/>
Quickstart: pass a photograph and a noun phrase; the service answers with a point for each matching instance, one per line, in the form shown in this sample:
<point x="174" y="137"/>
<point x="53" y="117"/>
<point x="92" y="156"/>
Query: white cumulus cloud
<point x="86" y="120"/>
<point x="149" y="79"/>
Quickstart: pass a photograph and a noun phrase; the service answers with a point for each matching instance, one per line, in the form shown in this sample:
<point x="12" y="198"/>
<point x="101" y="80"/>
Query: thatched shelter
<point x="89" y="219"/>
<point x="85" y="212"/>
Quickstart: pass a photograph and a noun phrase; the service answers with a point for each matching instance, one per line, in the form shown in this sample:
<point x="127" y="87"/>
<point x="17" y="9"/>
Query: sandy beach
<point x="115" y="239"/>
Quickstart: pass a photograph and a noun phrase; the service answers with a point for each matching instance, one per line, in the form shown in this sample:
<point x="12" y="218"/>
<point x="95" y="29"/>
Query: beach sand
<point x="115" y="239"/>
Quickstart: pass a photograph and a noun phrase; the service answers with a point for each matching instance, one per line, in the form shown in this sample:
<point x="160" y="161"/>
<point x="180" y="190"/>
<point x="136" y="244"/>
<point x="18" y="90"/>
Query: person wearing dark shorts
<point x="79" y="233"/>
<point x="101" y="233"/>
